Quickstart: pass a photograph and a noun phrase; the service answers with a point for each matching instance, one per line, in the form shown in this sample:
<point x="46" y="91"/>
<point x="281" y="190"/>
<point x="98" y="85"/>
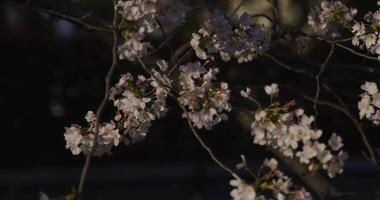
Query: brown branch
<point x="101" y="107"/>
<point x="353" y="51"/>
<point x="357" y="125"/>
<point x="68" y="10"/>
<point x="288" y="67"/>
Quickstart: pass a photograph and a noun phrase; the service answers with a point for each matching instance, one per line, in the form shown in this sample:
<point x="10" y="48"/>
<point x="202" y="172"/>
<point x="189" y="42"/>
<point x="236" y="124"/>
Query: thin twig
<point x="344" y="47"/>
<point x="357" y="125"/>
<point x="203" y="144"/>
<point x="166" y="36"/>
<point x="317" y="77"/>
<point x="73" y="19"/>
<point x="288" y="67"/>
<point x="102" y="105"/>
<point x="355" y="52"/>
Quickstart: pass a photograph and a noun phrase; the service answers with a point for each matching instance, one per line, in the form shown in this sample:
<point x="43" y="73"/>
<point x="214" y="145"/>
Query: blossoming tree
<point x="189" y="77"/>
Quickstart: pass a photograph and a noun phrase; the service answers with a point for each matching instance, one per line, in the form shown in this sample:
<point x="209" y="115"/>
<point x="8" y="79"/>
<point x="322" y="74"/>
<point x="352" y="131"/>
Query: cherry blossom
<point x="141" y="17"/>
<point x="138" y="103"/>
<point x="206" y="100"/>
<point x="369" y="104"/>
<point x="330" y="18"/>
<point x="271" y="90"/>
<point x="236" y="37"/>
<point x="242" y="191"/>
<point x="366" y="33"/>
<point x="269" y="183"/>
<point x="290" y="132"/>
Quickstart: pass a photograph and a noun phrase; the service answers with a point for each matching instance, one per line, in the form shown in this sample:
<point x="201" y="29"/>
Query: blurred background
<point x="52" y="73"/>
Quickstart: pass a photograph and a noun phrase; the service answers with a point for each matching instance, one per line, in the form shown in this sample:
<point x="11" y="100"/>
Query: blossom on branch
<point x="138" y="103"/>
<point x="290" y="132"/>
<point x="269" y="183"/>
<point x="366" y="33"/>
<point x="141" y="17"/>
<point x="206" y="100"/>
<point x="330" y="18"/>
<point x="236" y="37"/>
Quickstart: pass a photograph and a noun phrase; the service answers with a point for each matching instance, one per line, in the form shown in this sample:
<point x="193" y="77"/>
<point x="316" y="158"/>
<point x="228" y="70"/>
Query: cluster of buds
<point x="269" y="183"/>
<point x="236" y="37"/>
<point x="369" y="105"/>
<point x="330" y="18"/>
<point x="290" y="132"/>
<point x="207" y="101"/>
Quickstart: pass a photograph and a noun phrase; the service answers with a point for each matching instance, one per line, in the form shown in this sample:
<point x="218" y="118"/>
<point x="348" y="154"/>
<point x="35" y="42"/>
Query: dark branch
<point x="68" y="10"/>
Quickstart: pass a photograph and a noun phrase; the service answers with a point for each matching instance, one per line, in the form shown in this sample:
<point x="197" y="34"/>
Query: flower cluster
<point x="138" y="104"/>
<point x="330" y="17"/>
<point x="81" y="139"/>
<point x="207" y="101"/>
<point x="269" y="180"/>
<point x="141" y="17"/>
<point x="290" y="132"/>
<point x="366" y="34"/>
<point x="236" y="38"/>
<point x="369" y="105"/>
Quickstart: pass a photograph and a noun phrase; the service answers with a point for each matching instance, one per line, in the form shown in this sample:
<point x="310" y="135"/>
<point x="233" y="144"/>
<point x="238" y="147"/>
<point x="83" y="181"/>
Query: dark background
<point x="52" y="73"/>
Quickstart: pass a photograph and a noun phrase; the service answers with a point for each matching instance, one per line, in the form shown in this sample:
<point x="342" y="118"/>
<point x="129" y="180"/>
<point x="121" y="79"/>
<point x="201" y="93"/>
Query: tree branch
<point x="102" y="105"/>
<point x="317" y="79"/>
<point x="68" y="10"/>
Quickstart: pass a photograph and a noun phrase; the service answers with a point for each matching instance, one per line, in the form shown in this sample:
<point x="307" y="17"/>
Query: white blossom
<point x="207" y="102"/>
<point x="133" y="46"/>
<point x="73" y="139"/>
<point x="271" y="90"/>
<point x="141" y="18"/>
<point x="138" y="103"/>
<point x="272" y="184"/>
<point x="369" y="104"/>
<point x="271" y="163"/>
<point x="370" y="88"/>
<point x="365" y="107"/>
<point x="246" y="93"/>
<point x="242" y="191"/>
<point x="90" y="116"/>
<point x="335" y="142"/>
